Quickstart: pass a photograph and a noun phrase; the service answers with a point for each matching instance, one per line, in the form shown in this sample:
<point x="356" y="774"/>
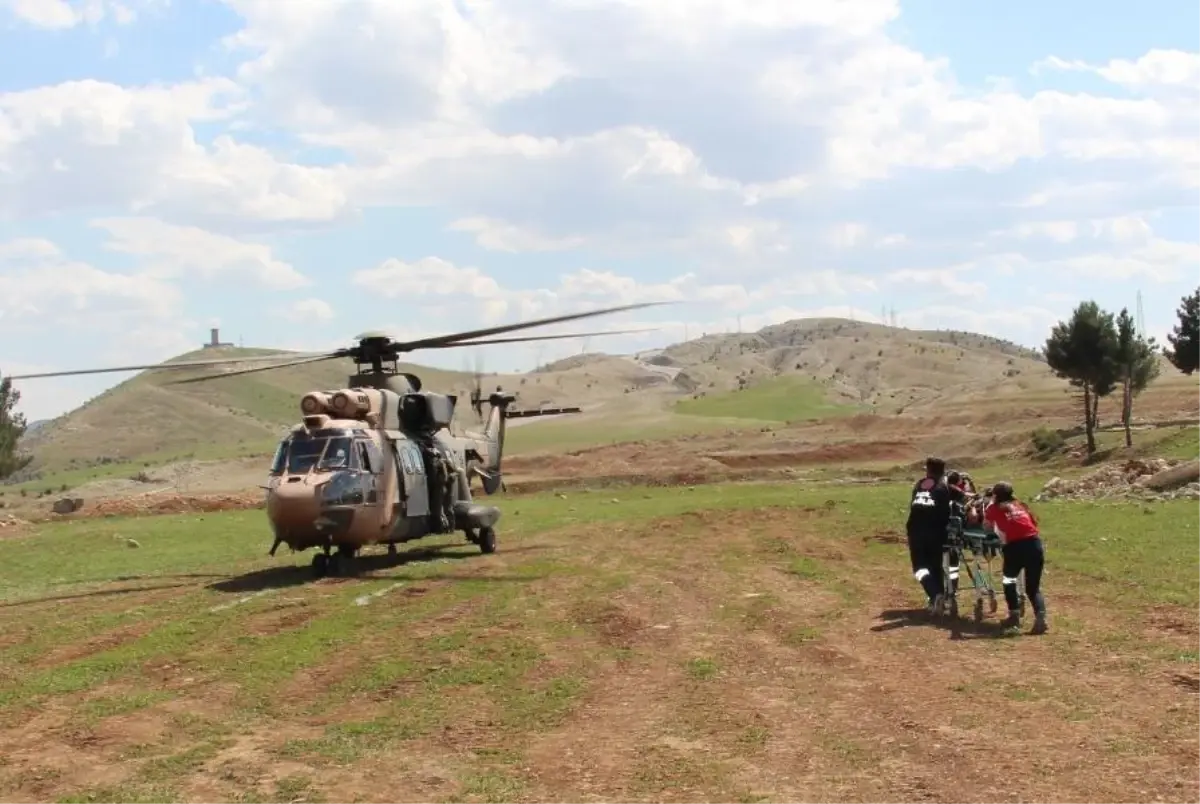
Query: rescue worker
<point x="928" y="519"/>
<point x="1022" y="548"/>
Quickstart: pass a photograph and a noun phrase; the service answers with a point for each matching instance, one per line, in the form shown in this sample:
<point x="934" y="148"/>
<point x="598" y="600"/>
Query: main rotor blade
<point x="304" y="362"/>
<point x="525" y="338"/>
<point x="444" y="341"/>
<point x="162" y="366"/>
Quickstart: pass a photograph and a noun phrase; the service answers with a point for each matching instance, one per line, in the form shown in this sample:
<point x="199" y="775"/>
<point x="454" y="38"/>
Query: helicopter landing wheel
<point x="486" y="540"/>
<point x="391" y="549"/>
<point x="320" y="565"/>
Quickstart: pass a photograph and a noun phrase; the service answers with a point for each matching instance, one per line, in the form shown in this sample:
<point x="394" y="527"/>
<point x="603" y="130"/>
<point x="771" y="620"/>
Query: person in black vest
<point x="928" y="518"/>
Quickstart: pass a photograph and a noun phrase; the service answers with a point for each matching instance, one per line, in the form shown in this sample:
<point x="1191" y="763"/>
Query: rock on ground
<point x="1153" y="479"/>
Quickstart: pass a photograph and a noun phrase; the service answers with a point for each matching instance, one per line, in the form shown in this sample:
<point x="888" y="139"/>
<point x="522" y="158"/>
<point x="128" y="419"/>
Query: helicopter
<point x="375" y="462"/>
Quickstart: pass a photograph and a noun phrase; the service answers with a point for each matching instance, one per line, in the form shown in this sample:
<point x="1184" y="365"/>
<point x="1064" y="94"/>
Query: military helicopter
<point x="375" y="462"/>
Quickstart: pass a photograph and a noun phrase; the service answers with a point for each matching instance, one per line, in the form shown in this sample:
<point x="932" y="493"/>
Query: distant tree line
<point x="1101" y="353"/>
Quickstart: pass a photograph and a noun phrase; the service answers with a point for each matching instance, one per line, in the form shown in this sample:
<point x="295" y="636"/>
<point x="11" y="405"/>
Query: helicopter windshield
<point x="302" y="452"/>
<point x="337" y="454"/>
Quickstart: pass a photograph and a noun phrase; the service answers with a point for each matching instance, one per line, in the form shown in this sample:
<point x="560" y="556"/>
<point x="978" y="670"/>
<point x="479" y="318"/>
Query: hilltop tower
<point x="214" y="339"/>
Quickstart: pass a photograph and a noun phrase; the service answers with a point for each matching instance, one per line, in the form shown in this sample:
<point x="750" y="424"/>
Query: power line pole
<point x="1140" y="321"/>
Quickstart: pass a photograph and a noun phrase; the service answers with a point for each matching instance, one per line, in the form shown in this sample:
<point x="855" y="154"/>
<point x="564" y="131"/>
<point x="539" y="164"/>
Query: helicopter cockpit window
<point x="370" y="456"/>
<point x="303" y="454"/>
<point x="280" y="459"/>
<point x="318" y="449"/>
<point x="338" y="455"/>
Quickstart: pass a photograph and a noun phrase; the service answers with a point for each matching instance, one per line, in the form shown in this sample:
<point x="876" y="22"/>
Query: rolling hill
<point x="800" y="369"/>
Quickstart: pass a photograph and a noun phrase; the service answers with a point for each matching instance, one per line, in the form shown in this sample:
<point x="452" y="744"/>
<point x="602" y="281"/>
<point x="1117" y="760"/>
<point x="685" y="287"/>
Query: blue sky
<point x="301" y="172"/>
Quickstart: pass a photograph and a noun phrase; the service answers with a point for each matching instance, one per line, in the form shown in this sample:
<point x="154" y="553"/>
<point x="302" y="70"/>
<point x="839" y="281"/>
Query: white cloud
<point x="55" y="308"/>
<point x="57" y="14"/>
<point x="432" y="281"/>
<point x="609" y="145"/>
<point x="85" y="144"/>
<point x="40" y="286"/>
<point x="1156" y="69"/>
<point x="307" y="311"/>
<point x="28" y="248"/>
<point x="752" y="158"/>
<point x="551" y="126"/>
<point x="174" y="251"/>
<point x="952" y="281"/>
<point x="499" y="236"/>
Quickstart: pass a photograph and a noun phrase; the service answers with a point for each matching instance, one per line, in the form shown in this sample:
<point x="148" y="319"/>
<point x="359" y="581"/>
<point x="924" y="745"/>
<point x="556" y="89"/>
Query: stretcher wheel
<point x="979" y="610"/>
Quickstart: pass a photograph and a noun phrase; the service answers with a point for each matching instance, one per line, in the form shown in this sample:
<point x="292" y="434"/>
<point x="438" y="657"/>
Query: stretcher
<point x="973" y="548"/>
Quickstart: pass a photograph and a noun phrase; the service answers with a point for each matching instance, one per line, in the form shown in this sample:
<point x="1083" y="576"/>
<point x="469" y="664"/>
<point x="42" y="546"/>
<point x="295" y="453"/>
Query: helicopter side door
<point x="412" y="475"/>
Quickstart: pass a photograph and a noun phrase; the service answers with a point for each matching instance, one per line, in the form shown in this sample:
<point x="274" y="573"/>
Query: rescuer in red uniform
<point x="1017" y="528"/>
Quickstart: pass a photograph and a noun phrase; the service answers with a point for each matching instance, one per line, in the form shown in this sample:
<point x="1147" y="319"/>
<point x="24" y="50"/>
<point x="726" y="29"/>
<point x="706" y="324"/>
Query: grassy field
<point x="735" y="643"/>
<point x="786" y="399"/>
<point x="567" y="434"/>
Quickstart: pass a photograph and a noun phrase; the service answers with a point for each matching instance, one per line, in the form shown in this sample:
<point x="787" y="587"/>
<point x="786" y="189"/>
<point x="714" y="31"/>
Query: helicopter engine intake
<point x="343" y="403"/>
<point x="314" y="403"/>
<point x="350" y="404"/>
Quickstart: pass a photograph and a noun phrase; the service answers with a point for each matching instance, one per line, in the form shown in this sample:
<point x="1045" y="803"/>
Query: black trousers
<point x="1028" y="555"/>
<point x="925" y="553"/>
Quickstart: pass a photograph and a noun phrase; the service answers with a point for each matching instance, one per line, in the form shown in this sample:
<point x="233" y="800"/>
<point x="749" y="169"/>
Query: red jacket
<point x="1013" y="521"/>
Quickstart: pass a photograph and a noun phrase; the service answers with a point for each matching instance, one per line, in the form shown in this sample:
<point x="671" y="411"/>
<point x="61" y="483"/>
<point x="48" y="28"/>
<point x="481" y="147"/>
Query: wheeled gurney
<point x="971" y="548"/>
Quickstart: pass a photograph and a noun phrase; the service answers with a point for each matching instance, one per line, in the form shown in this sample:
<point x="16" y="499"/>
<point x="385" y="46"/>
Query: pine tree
<point x="1185" y="339"/>
<point x="1083" y="350"/>
<point x="12" y="427"/>
<point x="1137" y="359"/>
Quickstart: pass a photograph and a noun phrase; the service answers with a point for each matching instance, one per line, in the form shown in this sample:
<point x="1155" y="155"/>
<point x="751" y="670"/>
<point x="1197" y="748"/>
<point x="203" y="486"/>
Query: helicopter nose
<point x="295" y="502"/>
